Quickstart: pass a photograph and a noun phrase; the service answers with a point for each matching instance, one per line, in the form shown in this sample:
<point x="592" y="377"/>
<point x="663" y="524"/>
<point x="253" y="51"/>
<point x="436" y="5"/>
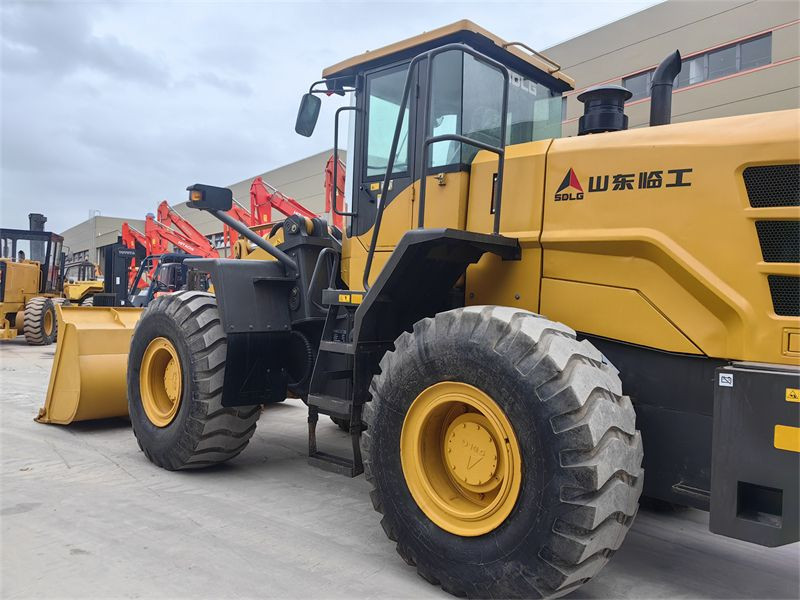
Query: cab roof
<point x="512" y="54"/>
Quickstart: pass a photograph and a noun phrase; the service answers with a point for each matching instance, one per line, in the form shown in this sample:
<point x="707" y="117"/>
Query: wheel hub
<point x="471" y="451"/>
<point x="172" y="381"/>
<point x="461" y="460"/>
<point x="161" y="382"/>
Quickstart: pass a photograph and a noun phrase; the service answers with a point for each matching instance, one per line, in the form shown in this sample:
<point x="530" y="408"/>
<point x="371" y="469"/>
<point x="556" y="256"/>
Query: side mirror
<point x="307" y="115"/>
<point x="209" y="197"/>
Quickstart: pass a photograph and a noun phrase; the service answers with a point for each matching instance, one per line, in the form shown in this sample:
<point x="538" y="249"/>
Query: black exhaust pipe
<point x="661" y="90"/>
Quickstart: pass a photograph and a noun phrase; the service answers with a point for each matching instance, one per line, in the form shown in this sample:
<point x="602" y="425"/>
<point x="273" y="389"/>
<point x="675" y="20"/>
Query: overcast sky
<point x="114" y="107"/>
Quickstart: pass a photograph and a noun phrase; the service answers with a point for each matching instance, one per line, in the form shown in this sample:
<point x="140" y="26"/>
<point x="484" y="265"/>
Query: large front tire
<point x="39" y="321"/>
<point x="176" y="369"/>
<point x="545" y="411"/>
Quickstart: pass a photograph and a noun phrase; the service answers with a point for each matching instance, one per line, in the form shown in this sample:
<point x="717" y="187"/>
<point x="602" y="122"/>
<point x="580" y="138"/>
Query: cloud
<point x="57" y="40"/>
<point x="115" y="106"/>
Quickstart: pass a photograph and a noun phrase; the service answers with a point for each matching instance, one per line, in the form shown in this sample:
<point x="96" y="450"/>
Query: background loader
<point x="31" y="282"/>
<point x="82" y="280"/>
<point x="512" y="321"/>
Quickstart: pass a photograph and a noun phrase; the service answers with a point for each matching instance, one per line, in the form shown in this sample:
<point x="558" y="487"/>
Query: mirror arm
<point x="341" y="91"/>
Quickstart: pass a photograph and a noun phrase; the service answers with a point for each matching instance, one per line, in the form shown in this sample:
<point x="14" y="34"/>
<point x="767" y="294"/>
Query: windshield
<point x="467" y="99"/>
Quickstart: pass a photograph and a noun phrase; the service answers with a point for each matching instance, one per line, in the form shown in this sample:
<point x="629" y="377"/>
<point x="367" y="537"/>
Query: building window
<point x="755" y="52"/>
<point x="217" y="240"/>
<point x="563" y="108"/>
<point x="693" y="70"/>
<point x="721" y="62"/>
<point x="714" y="64"/>
<point x="79" y="256"/>
<point x="638" y="85"/>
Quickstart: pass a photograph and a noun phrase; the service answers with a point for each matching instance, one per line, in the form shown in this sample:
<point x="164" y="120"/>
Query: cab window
<point x="467" y="99"/>
<point x="385" y="91"/>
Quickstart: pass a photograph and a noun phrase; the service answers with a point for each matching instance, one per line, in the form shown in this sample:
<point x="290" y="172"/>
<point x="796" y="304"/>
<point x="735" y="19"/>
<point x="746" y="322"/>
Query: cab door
<point x="379" y="106"/>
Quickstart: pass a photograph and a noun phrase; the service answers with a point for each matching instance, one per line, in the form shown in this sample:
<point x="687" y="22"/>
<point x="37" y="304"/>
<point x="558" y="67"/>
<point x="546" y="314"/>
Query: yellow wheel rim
<point x="48" y="322"/>
<point x="461" y="459"/>
<point x="161" y="382"/>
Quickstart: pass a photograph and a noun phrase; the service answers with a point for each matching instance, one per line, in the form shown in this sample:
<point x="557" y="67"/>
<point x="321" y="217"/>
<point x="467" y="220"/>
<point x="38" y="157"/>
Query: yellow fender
<point x="88" y="378"/>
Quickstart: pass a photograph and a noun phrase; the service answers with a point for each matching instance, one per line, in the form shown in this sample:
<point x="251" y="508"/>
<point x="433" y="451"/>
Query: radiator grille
<point x="780" y="240"/>
<point x="773" y="185"/>
<point x="785" y="290"/>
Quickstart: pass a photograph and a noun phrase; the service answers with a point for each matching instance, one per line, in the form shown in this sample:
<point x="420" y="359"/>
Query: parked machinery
<point x="31" y="284"/>
<point x="509" y="316"/>
<point x="82" y="280"/>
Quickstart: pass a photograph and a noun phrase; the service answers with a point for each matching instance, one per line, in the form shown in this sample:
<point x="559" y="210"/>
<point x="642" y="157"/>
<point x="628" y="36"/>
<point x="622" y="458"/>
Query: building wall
<point x="639" y="42"/>
<point x="83" y="240"/>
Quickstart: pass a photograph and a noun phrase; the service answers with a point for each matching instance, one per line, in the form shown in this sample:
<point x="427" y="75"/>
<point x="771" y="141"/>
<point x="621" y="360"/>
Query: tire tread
<point x="600" y="449"/>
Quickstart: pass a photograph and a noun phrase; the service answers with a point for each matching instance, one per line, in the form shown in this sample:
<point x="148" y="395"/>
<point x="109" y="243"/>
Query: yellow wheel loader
<point x="81" y="282"/>
<point x="31" y="282"/>
<point x="523" y="332"/>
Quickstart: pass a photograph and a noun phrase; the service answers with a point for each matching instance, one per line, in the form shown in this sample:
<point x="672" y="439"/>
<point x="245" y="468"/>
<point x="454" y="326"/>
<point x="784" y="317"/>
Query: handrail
<point x="500" y="151"/>
<point x="429" y="55"/>
<point x="390" y="165"/>
<point x="332" y="267"/>
<point x="341" y="213"/>
<point x="537" y="54"/>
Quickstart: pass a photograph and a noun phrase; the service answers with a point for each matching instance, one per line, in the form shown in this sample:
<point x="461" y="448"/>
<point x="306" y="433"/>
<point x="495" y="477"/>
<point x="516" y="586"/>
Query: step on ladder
<point x="331" y="389"/>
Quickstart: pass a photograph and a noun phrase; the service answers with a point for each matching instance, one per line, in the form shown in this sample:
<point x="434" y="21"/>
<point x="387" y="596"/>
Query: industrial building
<point x="738" y="57"/>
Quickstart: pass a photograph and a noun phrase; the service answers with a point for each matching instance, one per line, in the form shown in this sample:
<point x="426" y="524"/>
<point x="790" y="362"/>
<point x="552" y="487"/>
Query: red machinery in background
<point x="158" y="234"/>
<point x="154" y="245"/>
<point x="187" y="238"/>
<point x="336" y="217"/>
<point x="264" y="197"/>
<point x="168" y="227"/>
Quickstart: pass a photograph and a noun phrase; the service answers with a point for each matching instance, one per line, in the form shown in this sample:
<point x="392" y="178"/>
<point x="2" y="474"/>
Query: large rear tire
<point x="40" y="324"/>
<point x="88" y="301"/>
<point x="176" y="370"/>
<point x="560" y="473"/>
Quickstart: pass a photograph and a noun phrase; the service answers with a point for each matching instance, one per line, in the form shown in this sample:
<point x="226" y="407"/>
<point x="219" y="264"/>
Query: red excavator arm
<point x="264" y="197"/>
<point x="131" y="237"/>
<point x="239" y="213"/>
<point x="164" y="233"/>
<point x="189" y="235"/>
<point x="336" y="219"/>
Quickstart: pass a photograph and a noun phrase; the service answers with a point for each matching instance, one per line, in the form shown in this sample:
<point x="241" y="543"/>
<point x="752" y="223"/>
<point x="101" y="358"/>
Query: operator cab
<point x="81" y="271"/>
<point x="461" y="77"/>
<point x="42" y="247"/>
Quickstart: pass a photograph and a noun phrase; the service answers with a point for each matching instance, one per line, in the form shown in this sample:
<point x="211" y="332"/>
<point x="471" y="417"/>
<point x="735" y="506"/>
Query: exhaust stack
<point x="661" y="89"/>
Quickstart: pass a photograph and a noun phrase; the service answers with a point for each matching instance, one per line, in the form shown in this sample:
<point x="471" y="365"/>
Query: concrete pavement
<point x="83" y="513"/>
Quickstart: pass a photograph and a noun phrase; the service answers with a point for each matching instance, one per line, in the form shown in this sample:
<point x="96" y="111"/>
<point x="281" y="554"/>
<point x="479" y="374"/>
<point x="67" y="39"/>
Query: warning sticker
<point x="726" y="379"/>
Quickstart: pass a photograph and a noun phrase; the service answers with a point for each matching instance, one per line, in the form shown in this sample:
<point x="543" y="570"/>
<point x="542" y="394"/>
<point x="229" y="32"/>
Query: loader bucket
<point x="88" y="379"/>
